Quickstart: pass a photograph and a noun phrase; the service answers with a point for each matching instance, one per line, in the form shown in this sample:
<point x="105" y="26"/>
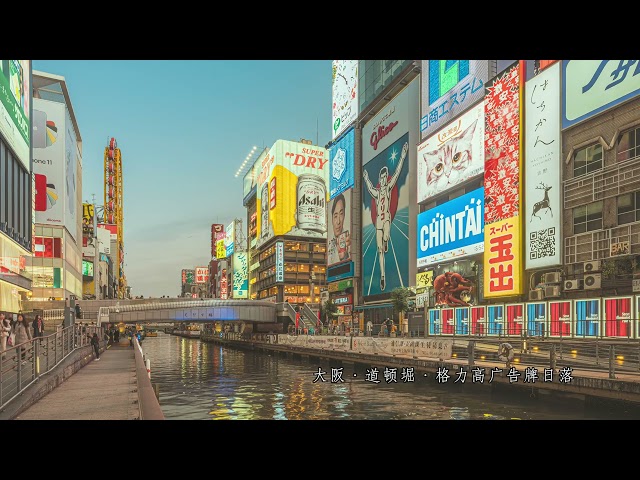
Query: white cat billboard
<point x="542" y="174"/>
<point x="344" y="89"/>
<point x="453" y="155"/>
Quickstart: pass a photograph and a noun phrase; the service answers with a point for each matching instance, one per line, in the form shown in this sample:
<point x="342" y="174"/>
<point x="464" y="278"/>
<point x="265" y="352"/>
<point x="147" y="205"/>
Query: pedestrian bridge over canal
<point x="191" y="311"/>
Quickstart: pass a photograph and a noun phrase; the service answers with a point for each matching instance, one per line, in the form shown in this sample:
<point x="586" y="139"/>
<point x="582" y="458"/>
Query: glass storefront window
<point x="303" y="289"/>
<point x="303" y="267"/>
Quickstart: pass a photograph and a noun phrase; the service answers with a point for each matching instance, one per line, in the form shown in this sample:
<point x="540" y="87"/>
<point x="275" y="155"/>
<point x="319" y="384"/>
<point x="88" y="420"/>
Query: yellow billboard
<point x="87" y="219"/>
<point x="424" y="279"/>
<point x="292" y="193"/>
<point x="221" y="250"/>
<point x="502" y="258"/>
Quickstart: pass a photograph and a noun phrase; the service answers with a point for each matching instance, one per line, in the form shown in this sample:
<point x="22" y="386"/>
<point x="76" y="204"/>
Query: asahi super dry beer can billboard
<point x="293" y="193"/>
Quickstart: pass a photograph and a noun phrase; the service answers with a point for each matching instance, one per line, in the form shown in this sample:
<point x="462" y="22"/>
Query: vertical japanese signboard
<point x="279" y="262"/>
<point x="502" y="246"/>
<point x="542" y="161"/>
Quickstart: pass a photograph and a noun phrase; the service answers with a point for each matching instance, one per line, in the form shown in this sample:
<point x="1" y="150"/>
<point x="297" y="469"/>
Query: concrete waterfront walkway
<point x="102" y="390"/>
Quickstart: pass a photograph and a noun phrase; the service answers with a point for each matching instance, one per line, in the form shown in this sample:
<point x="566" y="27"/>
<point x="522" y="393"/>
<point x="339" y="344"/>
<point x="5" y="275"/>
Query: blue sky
<point x="184" y="128"/>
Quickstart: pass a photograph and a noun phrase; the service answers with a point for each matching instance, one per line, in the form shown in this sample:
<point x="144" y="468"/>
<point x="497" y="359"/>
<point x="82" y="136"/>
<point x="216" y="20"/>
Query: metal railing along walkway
<point x="22" y="365"/>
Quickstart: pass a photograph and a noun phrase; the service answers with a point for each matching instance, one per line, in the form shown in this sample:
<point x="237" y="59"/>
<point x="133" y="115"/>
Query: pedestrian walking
<point x="95" y="341"/>
<point x="5" y="331"/>
<point x="22" y="330"/>
<point x="38" y="326"/>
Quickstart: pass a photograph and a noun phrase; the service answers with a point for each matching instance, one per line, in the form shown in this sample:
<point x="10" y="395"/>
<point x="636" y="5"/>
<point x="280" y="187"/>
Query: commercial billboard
<point x="388" y="193"/>
<point x="339" y="235"/>
<point x="587" y="317"/>
<point x="502" y="245"/>
<point x="201" y="274"/>
<point x="560" y="318"/>
<point x="391" y="123"/>
<point x="344" y="90"/>
<point x="15" y="94"/>
<point x="240" y="275"/>
<point x="542" y="182"/>
<point x="216" y="228"/>
<point x="452" y="155"/>
<point x="292" y="191"/>
<point x="221" y="250"/>
<point x="342" y="156"/>
<point x="230" y="238"/>
<point x="279" y="262"/>
<point x="618" y="315"/>
<point x="224" y="287"/>
<point x="536" y="319"/>
<point x="71" y="177"/>
<point x="104" y="240"/>
<point x="49" y="161"/>
<point x="88" y="216"/>
<point x="449" y="87"/>
<point x="188" y="276"/>
<point x="87" y="268"/>
<point x="385" y="219"/>
<point x="454" y="229"/>
<point x="590" y="87"/>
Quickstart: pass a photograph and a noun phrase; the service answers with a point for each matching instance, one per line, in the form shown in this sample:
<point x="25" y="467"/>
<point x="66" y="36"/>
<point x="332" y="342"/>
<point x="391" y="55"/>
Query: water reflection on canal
<point x="199" y="380"/>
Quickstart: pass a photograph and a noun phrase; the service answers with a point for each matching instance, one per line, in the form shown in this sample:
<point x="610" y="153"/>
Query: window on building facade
<point x="587" y="160"/>
<point x="629" y="208"/>
<point x="629" y="145"/>
<point x="296" y="247"/>
<point x="319" y="247"/>
<point x="587" y="218"/>
<point x="303" y="267"/>
<point x="319" y="268"/>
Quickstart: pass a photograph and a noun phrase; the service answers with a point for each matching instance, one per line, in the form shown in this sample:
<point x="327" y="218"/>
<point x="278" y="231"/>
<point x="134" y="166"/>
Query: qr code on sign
<point x="543" y="243"/>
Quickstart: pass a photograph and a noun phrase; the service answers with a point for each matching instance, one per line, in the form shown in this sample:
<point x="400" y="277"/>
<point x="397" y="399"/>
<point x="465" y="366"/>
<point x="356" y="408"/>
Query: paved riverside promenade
<point x="101" y="390"/>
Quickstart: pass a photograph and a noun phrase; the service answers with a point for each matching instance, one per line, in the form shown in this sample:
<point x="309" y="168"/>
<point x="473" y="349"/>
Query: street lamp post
<point x="312" y="279"/>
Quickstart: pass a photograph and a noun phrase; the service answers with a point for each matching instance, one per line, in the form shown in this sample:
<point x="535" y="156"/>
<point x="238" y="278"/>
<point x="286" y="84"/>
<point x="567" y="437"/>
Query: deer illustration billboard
<point x="542" y="172"/>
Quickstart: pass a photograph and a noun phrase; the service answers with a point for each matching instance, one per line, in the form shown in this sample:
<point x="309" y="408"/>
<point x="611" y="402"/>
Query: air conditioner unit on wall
<point x="551" y="277"/>
<point x="552" y="291"/>
<point x="593" y="266"/>
<point x="537" y="294"/>
<point x="592" y="281"/>
<point x="573" y="284"/>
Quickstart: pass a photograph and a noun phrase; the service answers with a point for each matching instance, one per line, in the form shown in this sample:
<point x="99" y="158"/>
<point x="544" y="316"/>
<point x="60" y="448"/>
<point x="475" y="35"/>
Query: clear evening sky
<point x="184" y="128"/>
